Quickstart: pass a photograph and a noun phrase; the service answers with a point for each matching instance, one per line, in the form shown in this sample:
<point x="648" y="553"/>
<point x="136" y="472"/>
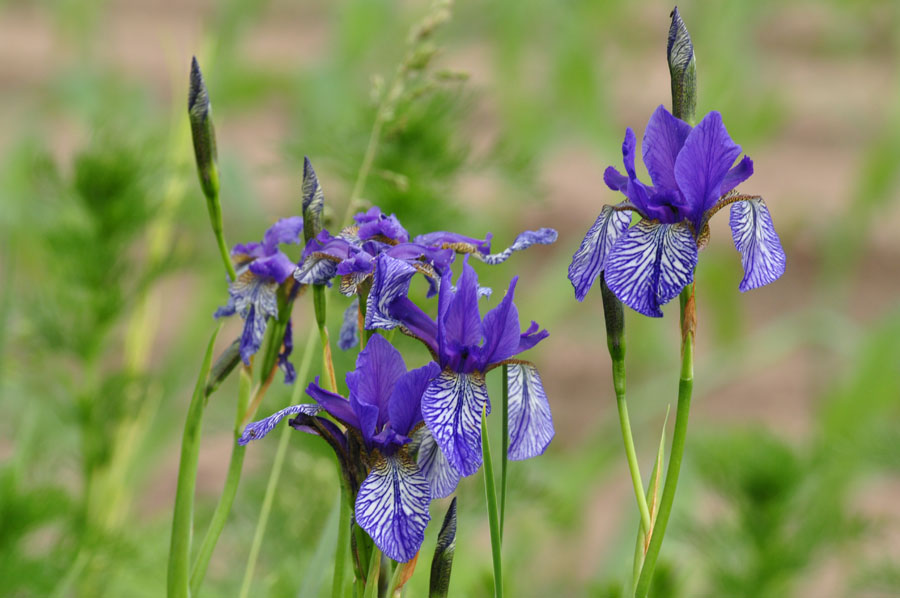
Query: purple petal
<point x="277" y="266"/>
<point x="543" y="236"/>
<point x="416" y="321"/>
<point x="530" y="421"/>
<point x="651" y="264"/>
<point x="628" y="146"/>
<point x="367" y="415"/>
<point x="259" y="429"/>
<point x="501" y="329"/>
<point x="284" y="354"/>
<point x="316" y="270"/>
<point x="705" y="159"/>
<point x="452" y="406"/>
<point x="755" y="237"/>
<point x="335" y="404"/>
<point x="286" y="230"/>
<point x="303" y="423"/>
<point x="663" y="140"/>
<point x="455" y="241"/>
<point x="614" y="179"/>
<point x="439" y="258"/>
<point x="391" y="280"/>
<point x="245" y="252"/>
<point x="737" y="175"/>
<point x="459" y="323"/>
<point x="406" y="399"/>
<point x="255" y="300"/>
<point x="392" y="506"/>
<point x="588" y="261"/>
<point x="349" y="335"/>
<point x="531" y="337"/>
<point x="378" y="367"/>
<point x="441" y="476"/>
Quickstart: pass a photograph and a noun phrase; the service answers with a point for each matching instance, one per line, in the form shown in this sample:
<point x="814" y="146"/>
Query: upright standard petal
<point x="378" y="367"/>
<point x="259" y="429"/>
<point x="500" y="329"/>
<point x="392" y="506"/>
<point x="391" y="280"/>
<point x="456" y="242"/>
<point x="755" y="237"/>
<point x="452" y="406"/>
<point x="405" y="405"/>
<point x="530" y="421"/>
<point x="460" y="321"/>
<point x="651" y="264"/>
<point x="663" y="140"/>
<point x="703" y="163"/>
<point x="442" y="478"/>
<point x="588" y="261"/>
<point x="742" y="171"/>
<point x="349" y="335"/>
<point x="543" y="236"/>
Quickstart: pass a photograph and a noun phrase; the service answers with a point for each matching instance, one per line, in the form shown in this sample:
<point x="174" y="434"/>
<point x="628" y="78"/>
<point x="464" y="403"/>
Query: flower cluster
<point x="694" y="175"/>
<point x="402" y="437"/>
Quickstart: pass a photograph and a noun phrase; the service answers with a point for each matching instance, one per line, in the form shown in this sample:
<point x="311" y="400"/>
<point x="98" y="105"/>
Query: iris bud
<point x="682" y="69"/>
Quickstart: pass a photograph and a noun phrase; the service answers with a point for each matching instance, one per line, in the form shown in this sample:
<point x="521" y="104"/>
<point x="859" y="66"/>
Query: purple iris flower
<point x="261" y="268"/>
<point x="384" y="408"/>
<point x="466" y="347"/>
<point x="694" y="175"/>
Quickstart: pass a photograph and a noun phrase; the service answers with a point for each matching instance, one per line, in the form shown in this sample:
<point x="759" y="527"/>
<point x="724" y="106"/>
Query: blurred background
<point x="109" y="276"/>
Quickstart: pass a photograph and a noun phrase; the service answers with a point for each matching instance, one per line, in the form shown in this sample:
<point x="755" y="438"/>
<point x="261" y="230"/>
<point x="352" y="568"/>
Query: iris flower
<point x="694" y="175"/>
<point x="384" y="410"/>
<point x="261" y="269"/>
<point x="466" y="347"/>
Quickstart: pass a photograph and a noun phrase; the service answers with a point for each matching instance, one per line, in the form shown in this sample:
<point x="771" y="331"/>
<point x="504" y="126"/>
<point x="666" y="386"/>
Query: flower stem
<point x="320" y="303"/>
<point x="504" y="460"/>
<point x="685" y="389"/>
<point x="229" y="490"/>
<point x="183" y="518"/>
<point x="490" y="491"/>
<point x="372" y="576"/>
<point x="343" y="544"/>
<point x="275" y="474"/>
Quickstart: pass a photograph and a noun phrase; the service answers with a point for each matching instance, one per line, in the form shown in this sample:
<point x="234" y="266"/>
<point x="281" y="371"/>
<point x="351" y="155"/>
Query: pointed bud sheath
<point x="682" y="69"/>
<point x="313" y="202"/>
<point x="203" y="133"/>
<point x="614" y="314"/>
<point x="442" y="563"/>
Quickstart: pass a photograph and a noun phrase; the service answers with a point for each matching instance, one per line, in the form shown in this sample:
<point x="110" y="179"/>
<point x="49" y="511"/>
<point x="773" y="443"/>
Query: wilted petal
<point x="286" y="230"/>
<point x="755" y="237"/>
<point x="530" y="421"/>
<point x="349" y="335"/>
<point x="287" y="347"/>
<point x="391" y="280"/>
<point x="588" y="261"/>
<point x="441" y="476"/>
<point x="254" y="299"/>
<point x="663" y="140"/>
<point x="703" y="163"/>
<point x="404" y="408"/>
<point x="543" y="236"/>
<point x="259" y="429"/>
<point x="651" y="264"/>
<point x="392" y="506"/>
<point x="452" y="406"/>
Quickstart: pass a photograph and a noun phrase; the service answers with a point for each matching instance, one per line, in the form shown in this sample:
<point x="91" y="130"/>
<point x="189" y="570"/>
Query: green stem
<point x="183" y="517"/>
<point x="343" y="544"/>
<point x="229" y="491"/>
<point x="277" y="466"/>
<point x="372" y="576"/>
<point x="679" y="435"/>
<point x="490" y="491"/>
<point x="628" y="440"/>
<point x="223" y="249"/>
<point x="504" y="460"/>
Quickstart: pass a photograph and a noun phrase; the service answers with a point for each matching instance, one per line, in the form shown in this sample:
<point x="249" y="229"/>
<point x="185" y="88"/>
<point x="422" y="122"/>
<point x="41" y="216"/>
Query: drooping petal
<point x="530" y="420"/>
<point x="378" y="367"/>
<point x="742" y="171"/>
<point x="755" y="237"/>
<point x="452" y="406"/>
<point x="259" y="429"/>
<point x="405" y="406"/>
<point x="254" y="299"/>
<point x="663" y="140"/>
<point x="460" y="321"/>
<point x="333" y="403"/>
<point x="500" y="329"/>
<point x="349" y="335"/>
<point x="651" y="264"/>
<point x="287" y="347"/>
<point x="286" y="230"/>
<point x="703" y="163"/>
<point x="253" y="333"/>
<point x="391" y="280"/>
<point x="277" y="266"/>
<point x="614" y="179"/>
<point x="588" y="261"/>
<point x="441" y="476"/>
<point x="392" y="506"/>
<point x="304" y="423"/>
<point x="543" y="236"/>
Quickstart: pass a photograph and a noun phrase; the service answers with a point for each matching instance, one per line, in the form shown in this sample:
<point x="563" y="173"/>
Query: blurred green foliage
<point x="108" y="277"/>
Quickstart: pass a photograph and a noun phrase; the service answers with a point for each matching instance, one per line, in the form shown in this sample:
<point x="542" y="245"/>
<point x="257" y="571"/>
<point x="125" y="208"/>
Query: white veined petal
<point x="530" y="420"/>
<point x="755" y="237"/>
<point x="451" y="407"/>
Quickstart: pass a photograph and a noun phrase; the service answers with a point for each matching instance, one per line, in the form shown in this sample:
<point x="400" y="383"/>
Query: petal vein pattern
<point x="530" y="421"/>
<point x="451" y="407"/>
<point x="259" y="429"/>
<point x="392" y="506"/>
<point x="589" y="260"/>
<point x="754" y="236"/>
<point x="441" y="476"/>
